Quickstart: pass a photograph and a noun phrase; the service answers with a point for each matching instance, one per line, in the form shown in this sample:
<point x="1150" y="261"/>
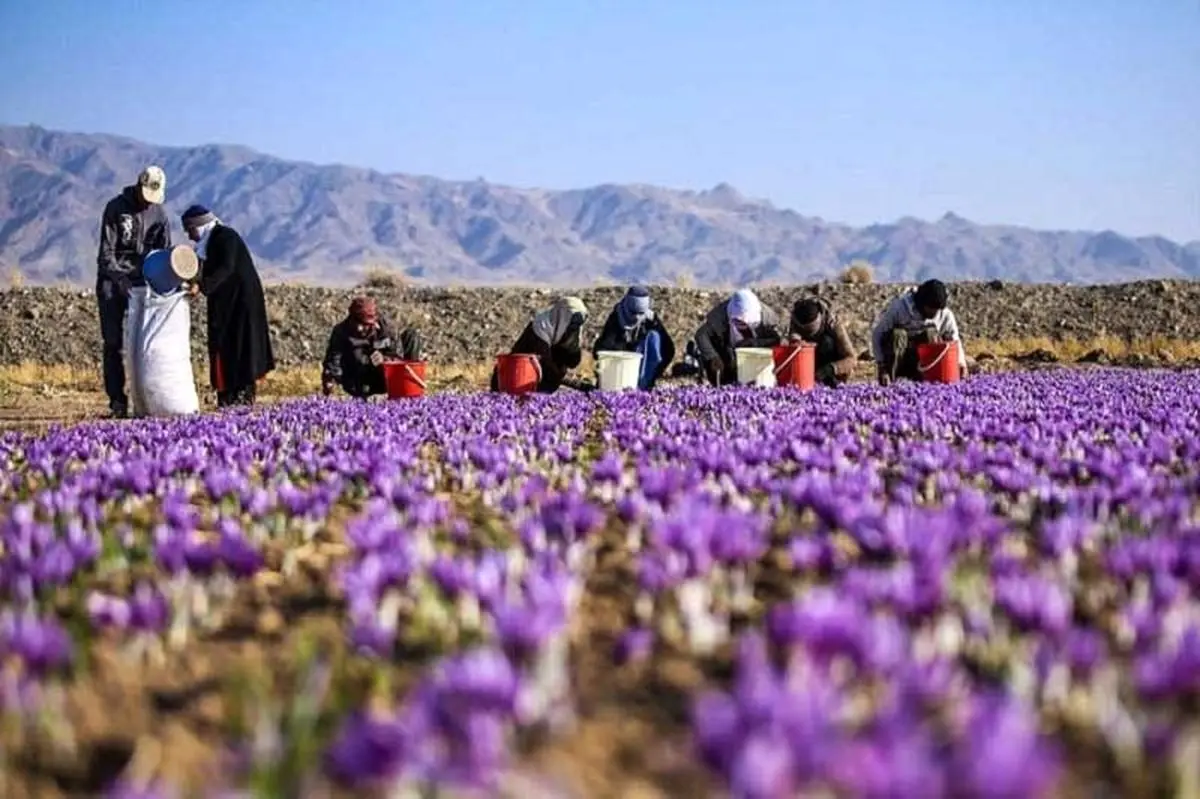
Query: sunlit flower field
<point x="980" y="590"/>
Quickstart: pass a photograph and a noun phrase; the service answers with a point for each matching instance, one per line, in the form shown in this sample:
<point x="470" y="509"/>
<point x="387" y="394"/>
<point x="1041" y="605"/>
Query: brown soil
<point x="52" y="326"/>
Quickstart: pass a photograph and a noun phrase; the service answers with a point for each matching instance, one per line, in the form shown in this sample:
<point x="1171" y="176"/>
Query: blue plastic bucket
<point x="165" y="270"/>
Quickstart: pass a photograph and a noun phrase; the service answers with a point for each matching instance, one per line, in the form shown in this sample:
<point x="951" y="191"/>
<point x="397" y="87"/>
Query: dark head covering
<point x="197" y="216"/>
<point x="364" y="311"/>
<point x="806" y="311"/>
<point x="932" y="294"/>
<point x="635" y="307"/>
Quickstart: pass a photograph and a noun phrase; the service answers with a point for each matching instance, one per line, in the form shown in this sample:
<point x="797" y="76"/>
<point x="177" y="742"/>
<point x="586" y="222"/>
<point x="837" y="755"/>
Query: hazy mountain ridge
<point x="322" y="224"/>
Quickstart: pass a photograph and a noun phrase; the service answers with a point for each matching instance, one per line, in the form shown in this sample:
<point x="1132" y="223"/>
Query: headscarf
<point x="202" y="220"/>
<point x="364" y="311"/>
<point x="743" y="307"/>
<point x="550" y="325"/>
<point x="635" y="308"/>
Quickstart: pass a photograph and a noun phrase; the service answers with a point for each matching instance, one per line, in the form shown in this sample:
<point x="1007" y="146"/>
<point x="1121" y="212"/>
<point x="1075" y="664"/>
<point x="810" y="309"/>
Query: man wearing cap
<point x="358" y="346"/>
<point x="239" y="336"/>
<point x="132" y="225"/>
<point x="814" y="321"/>
<point x="633" y="326"/>
<point x="918" y="315"/>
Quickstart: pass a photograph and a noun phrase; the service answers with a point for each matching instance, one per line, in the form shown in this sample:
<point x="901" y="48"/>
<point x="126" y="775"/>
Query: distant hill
<point x="324" y="225"/>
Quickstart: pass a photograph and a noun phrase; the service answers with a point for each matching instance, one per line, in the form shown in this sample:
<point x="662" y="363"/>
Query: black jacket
<point x="129" y="230"/>
<point x="612" y="339"/>
<point x="556" y="361"/>
<point x="239" y="339"/>
<point x="348" y="353"/>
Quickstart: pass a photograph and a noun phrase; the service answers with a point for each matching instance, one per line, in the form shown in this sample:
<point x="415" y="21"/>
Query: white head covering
<point x="551" y="324"/>
<point x="205" y="231"/>
<point x="743" y="307"/>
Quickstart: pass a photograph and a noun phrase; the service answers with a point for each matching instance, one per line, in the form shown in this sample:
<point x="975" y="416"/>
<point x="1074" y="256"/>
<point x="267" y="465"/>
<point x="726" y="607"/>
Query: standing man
<point x="239" y="337"/>
<point x="133" y="224"/>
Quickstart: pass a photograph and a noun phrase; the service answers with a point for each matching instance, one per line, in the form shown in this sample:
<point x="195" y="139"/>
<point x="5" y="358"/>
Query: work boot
<point x="118" y="410"/>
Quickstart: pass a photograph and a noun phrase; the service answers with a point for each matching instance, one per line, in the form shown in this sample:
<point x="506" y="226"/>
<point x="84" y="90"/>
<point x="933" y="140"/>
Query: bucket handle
<point x="787" y="361"/>
<point x="537" y="364"/>
<point x="414" y="376"/>
<point x="938" y="359"/>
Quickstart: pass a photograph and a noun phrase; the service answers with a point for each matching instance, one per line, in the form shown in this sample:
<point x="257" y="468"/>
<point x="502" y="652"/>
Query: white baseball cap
<point x="153" y="184"/>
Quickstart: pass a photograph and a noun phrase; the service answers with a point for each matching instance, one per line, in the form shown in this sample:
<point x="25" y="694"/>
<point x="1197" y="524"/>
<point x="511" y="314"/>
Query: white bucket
<point x="618" y="370"/>
<point x="756" y="366"/>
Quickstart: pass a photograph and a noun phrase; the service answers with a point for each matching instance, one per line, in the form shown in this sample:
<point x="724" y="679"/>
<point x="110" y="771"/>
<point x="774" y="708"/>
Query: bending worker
<point x="740" y="321"/>
<point x="358" y="346"/>
<point x="814" y="321"/>
<point x="553" y="336"/>
<point x="920" y="315"/>
<point x="633" y="326"/>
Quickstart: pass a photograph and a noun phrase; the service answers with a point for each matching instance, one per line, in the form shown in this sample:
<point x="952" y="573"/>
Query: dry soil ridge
<point x="463" y="325"/>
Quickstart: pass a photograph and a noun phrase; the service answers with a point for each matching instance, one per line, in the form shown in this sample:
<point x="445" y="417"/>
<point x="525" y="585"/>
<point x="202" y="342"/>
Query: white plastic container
<point x="617" y="371"/>
<point x="756" y="366"/>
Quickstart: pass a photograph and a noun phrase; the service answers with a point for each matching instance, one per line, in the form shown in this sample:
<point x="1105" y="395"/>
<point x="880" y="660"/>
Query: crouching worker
<point x="553" y="336"/>
<point x="917" y="316"/>
<point x="358" y="346"/>
<point x="634" y="327"/>
<point x="740" y="321"/>
<point x="813" y="321"/>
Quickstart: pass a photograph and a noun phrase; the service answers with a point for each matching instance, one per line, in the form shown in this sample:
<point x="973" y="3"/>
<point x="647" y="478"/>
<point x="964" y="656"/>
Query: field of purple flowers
<point x="981" y="590"/>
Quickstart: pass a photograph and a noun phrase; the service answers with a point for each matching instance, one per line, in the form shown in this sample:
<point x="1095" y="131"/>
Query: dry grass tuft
<point x="379" y="277"/>
<point x="857" y="273"/>
<point x="1071" y="349"/>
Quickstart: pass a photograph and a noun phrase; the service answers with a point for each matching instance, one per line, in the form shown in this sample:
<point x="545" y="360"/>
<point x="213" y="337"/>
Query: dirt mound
<point x="54" y="326"/>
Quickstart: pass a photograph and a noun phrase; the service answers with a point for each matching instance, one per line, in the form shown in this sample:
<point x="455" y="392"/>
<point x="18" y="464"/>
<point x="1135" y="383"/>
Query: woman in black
<point x="553" y="336"/>
<point x="239" y="341"/>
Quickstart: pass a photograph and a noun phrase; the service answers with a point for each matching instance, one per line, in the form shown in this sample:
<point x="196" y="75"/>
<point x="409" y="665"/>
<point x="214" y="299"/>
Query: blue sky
<point x="1061" y="114"/>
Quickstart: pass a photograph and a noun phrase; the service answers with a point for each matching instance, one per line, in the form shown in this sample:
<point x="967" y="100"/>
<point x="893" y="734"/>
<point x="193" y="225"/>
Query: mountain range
<point x="333" y="225"/>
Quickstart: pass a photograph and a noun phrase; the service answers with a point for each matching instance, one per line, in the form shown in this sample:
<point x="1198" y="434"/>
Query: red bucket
<point x="938" y="362"/>
<point x="518" y="374"/>
<point x="404" y="378"/>
<point x="796" y="366"/>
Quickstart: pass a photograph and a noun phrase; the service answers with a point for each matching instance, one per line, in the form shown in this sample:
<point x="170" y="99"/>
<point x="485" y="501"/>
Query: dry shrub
<point x="13" y="278"/>
<point x="378" y="277"/>
<point x="857" y="273"/>
<point x="685" y="280"/>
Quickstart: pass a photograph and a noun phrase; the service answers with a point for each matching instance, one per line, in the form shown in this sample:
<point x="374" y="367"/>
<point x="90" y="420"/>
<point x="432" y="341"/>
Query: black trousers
<point x="366" y="381"/>
<point x="113" y="306"/>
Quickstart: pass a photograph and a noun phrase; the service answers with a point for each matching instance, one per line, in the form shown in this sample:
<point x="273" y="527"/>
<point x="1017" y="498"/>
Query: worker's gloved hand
<point x="326" y="388"/>
<point x="376" y="358"/>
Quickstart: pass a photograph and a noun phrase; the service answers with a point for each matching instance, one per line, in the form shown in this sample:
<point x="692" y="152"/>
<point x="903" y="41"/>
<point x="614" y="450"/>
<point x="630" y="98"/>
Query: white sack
<point x="158" y="354"/>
